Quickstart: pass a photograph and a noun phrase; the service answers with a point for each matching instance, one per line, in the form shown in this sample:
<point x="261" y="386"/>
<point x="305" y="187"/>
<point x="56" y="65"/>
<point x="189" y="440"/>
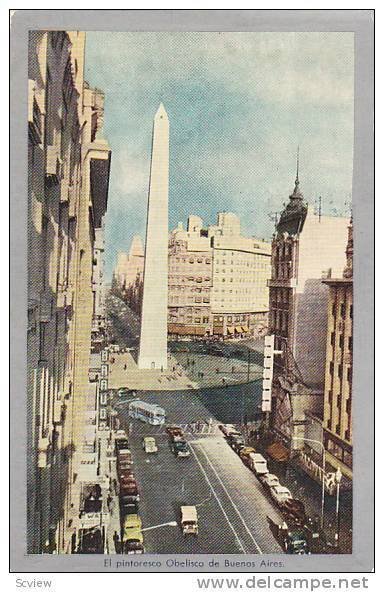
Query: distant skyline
<point x="239" y="104"/>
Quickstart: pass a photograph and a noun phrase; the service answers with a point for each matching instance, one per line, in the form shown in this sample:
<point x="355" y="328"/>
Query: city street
<point x="232" y="505"/>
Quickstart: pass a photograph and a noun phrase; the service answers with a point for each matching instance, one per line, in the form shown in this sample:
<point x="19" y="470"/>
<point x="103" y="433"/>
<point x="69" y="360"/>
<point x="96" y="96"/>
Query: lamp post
<point x="338" y="476"/>
<point x="323" y="472"/>
<point x="173" y="523"/>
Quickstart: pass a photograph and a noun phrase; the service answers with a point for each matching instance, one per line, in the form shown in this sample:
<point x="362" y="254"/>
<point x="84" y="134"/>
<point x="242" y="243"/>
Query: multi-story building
<point x="337" y="423"/>
<point x="189" y="280"/>
<point x="241" y="268"/>
<point x="98" y="318"/>
<point x="68" y="174"/>
<point x="217" y="280"/>
<point x="306" y="248"/>
<point x="128" y="274"/>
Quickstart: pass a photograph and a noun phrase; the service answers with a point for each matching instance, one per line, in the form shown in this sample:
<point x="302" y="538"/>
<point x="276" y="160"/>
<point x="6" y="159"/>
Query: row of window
<point x="340" y="371"/>
<point x="343" y="310"/>
<point x="341" y="341"/>
<point x="197" y="299"/>
<point x="197" y="320"/>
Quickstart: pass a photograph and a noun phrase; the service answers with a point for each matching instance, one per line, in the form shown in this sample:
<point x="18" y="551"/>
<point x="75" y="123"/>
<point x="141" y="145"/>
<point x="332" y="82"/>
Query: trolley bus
<point x="147" y="412"/>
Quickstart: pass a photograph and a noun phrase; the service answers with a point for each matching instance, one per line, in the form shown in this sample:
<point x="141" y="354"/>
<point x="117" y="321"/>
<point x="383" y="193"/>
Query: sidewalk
<point x="309" y="492"/>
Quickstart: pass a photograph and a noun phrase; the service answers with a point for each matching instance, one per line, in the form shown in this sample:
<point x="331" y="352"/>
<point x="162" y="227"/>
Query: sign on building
<point x="269" y="345"/>
<point x="104" y="355"/>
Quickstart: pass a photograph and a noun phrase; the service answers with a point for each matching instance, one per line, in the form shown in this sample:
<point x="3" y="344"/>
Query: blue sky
<point x="238" y="105"/>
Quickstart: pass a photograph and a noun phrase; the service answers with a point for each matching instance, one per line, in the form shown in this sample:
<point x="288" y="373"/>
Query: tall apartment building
<point x="217" y="279"/>
<point x="189" y="280"/>
<point x="306" y="248"/>
<point x="241" y="269"/>
<point x="337" y="422"/>
<point x="68" y="175"/>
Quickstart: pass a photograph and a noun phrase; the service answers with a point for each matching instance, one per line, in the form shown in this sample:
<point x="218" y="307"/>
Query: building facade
<point x="217" y="280"/>
<point x="190" y="281"/>
<point x="67" y="198"/>
<point x="306" y="248"/>
<point x="337" y="423"/>
<point x="128" y="274"/>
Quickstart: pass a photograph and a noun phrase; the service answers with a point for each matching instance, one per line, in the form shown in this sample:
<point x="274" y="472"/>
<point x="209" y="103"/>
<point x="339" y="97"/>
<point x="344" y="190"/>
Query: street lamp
<point x="173" y="523"/>
<point x="338" y="476"/>
<point x="323" y="472"/>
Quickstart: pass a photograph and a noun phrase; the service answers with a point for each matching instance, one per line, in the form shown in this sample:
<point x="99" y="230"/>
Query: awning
<point x="238" y="330"/>
<point x="230" y="330"/>
<point x="218" y="330"/>
<point x="200" y="330"/>
<point x="244" y="328"/>
<point x="278" y="452"/>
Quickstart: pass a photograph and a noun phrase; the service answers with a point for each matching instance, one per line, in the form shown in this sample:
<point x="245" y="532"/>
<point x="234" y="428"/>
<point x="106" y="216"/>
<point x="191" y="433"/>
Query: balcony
<point x="53" y="165"/>
<point x="34" y="116"/>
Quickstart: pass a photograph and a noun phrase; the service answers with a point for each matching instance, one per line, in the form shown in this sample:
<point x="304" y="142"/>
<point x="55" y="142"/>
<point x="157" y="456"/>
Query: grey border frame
<point x="361" y="22"/>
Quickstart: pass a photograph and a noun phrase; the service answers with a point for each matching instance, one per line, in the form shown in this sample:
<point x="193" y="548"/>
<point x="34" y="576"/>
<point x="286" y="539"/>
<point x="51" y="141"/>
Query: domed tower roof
<point x="293" y="216"/>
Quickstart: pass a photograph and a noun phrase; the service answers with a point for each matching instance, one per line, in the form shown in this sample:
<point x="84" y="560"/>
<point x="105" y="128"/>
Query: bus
<point x="147" y="412"/>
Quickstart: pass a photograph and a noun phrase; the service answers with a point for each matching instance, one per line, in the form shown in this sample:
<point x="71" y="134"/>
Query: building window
<point x="103" y="413"/>
<point x="341" y="340"/>
<point x="331" y="367"/>
<point x="342" y="310"/>
<point x="351" y="312"/>
<point x="103" y="398"/>
<point x="334" y="309"/>
<point x="340" y="371"/>
<point x="332" y="338"/>
<point x="349" y="374"/>
<point x="330" y="397"/>
<point x="350" y="343"/>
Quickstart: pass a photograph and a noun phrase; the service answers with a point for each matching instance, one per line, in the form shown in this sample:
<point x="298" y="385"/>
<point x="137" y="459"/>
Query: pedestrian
<point x="125" y="366"/>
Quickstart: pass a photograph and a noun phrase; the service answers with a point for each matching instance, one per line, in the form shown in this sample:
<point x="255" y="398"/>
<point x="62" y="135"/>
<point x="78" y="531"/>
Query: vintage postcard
<point x="196" y="209"/>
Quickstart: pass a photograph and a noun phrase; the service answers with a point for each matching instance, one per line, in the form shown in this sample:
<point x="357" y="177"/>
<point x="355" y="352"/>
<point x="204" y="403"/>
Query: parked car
<point x="133" y="541"/>
<point x="121" y="444"/>
<point x="293" y="510"/>
<point x="128" y="505"/>
<point x="227" y="428"/>
<point x="233" y="436"/>
<point x="269" y="480"/>
<point x="130" y="489"/>
<point x="280" y="494"/>
<point x="296" y="543"/>
<point x="257" y="464"/>
<point x="149" y="445"/>
<point x="238" y="444"/>
<point x="246" y="452"/>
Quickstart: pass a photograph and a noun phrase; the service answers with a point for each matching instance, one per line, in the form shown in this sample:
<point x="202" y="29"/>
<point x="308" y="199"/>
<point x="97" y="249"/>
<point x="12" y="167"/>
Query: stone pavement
<point x="123" y="372"/>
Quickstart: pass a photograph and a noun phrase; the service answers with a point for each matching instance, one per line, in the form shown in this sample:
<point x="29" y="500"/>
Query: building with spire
<point x="306" y="248"/>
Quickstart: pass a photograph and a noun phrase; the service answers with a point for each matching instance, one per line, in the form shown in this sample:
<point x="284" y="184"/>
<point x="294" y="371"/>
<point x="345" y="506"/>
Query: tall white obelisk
<point x="154" y="314"/>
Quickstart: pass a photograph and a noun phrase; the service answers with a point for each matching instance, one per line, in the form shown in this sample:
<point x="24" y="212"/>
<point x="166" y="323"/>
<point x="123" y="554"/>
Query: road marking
<point x="218" y="501"/>
<point x="230" y="499"/>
